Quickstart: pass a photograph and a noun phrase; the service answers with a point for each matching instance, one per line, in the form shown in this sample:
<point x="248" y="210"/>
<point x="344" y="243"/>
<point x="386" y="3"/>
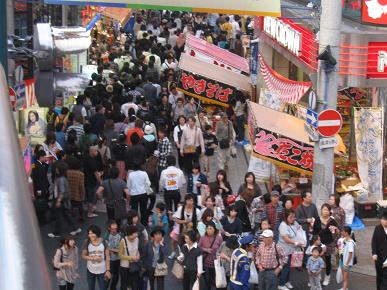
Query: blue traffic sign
<point x="311" y="117"/>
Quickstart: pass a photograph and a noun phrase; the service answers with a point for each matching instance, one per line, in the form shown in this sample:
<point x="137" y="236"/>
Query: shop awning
<point x="280" y="138"/>
<point x="213" y="54"/>
<point x="289" y="91"/>
<point x="211" y="71"/>
<point x="121" y="15"/>
<point x="245" y="7"/>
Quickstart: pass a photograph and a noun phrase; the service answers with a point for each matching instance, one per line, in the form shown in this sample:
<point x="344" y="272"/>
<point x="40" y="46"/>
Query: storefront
<point x="289" y="51"/>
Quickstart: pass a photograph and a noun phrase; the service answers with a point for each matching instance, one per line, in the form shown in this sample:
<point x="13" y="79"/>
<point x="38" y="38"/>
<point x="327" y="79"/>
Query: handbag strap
<point x="212" y="243"/>
<point x="126" y="246"/>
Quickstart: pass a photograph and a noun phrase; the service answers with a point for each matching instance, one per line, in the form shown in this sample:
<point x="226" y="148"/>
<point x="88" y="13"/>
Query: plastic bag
<point x="253" y="274"/>
<point x="339" y="276"/>
<point x="233" y="152"/>
<point x="178" y="270"/>
<point x="220" y="274"/>
<point x="196" y="285"/>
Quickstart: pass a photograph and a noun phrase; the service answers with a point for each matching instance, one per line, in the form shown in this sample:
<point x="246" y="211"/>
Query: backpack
<point x="61" y="259"/>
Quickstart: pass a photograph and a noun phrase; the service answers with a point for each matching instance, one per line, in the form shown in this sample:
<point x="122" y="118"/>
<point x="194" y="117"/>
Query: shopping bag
<point x="253" y="274"/>
<point x="297" y="258"/>
<point x="178" y="270"/>
<point x="220" y="274"/>
<point x="339" y="276"/>
<point x="196" y="285"/>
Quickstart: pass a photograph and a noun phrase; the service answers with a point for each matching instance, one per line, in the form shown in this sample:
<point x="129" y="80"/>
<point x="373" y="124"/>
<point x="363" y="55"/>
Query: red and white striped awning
<point x="289" y="91"/>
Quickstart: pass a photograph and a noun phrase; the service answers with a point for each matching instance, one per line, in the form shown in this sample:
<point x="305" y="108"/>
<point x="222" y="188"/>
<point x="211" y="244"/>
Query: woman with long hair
<point x="221" y="186"/>
<point x="66" y="263"/>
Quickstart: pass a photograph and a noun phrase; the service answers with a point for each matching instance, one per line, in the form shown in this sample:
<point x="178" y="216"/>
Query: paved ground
<point x="237" y="169"/>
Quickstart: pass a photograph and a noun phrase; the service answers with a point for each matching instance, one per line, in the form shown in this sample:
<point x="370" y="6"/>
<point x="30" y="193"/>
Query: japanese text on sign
<point x="284" y="150"/>
<point x="206" y="88"/>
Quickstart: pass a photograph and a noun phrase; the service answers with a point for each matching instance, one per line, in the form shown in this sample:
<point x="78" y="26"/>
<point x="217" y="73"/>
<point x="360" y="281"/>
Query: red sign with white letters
<point x="374" y="12"/>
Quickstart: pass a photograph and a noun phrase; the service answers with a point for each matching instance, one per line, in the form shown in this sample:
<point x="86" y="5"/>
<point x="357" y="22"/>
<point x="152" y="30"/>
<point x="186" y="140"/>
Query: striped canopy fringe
<point x="288" y="91"/>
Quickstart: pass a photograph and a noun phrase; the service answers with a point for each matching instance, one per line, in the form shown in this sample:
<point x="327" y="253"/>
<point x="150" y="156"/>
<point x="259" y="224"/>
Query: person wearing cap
<point x="274" y="212"/>
<point x="226" y="136"/>
<point x="155" y="253"/>
<point x="379" y="251"/>
<point x="240" y="264"/>
<point x="270" y="259"/>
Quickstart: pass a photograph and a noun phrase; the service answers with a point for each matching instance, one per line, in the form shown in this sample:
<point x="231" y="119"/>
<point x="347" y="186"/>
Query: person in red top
<point x="137" y="128"/>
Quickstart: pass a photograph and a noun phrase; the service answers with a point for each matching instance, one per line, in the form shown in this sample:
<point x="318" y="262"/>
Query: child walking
<point x="315" y="265"/>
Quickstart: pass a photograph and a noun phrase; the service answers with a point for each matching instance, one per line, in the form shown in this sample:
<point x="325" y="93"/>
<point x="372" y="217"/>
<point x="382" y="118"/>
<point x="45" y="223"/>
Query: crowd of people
<point x="136" y="142"/>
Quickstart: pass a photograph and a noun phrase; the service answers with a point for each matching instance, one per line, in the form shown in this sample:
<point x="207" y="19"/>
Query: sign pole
<point x="327" y="82"/>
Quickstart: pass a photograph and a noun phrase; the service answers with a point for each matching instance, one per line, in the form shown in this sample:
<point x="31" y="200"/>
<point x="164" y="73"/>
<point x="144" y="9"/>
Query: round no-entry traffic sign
<point x="329" y="123"/>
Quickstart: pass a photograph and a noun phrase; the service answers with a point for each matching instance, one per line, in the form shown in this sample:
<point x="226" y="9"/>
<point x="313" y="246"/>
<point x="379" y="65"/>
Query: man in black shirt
<point x="97" y="121"/>
<point x="379" y="252"/>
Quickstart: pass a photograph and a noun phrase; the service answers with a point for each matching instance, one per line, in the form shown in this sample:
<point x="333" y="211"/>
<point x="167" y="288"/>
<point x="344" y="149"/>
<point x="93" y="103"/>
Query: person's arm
<point x="285" y="237"/>
<point x="107" y="264"/>
<point x="57" y="263"/>
<point x="99" y="192"/>
<point x="183" y="141"/>
<point x="301" y="219"/>
<point x="127" y="194"/>
<point x="176" y="137"/>
<point x="122" y="252"/>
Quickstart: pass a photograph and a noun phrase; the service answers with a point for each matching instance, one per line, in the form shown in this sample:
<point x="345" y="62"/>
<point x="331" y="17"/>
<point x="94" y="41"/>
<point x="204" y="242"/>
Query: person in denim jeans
<point x="96" y="253"/>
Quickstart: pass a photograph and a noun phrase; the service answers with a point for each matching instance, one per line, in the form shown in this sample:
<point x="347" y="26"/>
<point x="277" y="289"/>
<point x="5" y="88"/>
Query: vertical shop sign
<point x="254" y="44"/>
<point x="369" y="123"/>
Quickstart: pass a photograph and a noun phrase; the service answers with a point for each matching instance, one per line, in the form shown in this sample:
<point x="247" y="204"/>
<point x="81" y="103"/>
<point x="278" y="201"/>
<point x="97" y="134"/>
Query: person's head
<point x="162" y="133"/>
<point x="93" y="232"/>
<point x="288" y="203"/>
<point x="383" y="220"/>
<point x="191" y="122"/>
<point x="208" y="128"/>
<point x="274" y="197"/>
<point x="164" y="98"/>
<point x="112" y="227"/>
<point x="41" y="156"/>
<point x="189" y="200"/>
<point x="93" y="151"/>
<point x="33" y="116"/>
<point x="249" y="178"/>
<point x="267" y="236"/>
<point x="210" y="202"/>
<point x="207" y="215"/>
<point x="114" y="172"/>
<point x="131" y="232"/>
<point x="180" y="104"/>
<point x="196" y="168"/>
<point x="190" y="237"/>
<point x="132" y="217"/>
<point x="211" y="229"/>
<point x="306" y="197"/>
<point x="265" y="224"/>
<point x="326" y="210"/>
<point x="232" y="243"/>
<point x="181" y="118"/>
<point x="224" y="118"/>
<point x="346" y="232"/>
<point x="171" y="160"/>
<point x="160" y="207"/>
<point x="61" y="169"/>
<point x="50" y="138"/>
<point x="290" y="216"/>
<point x="139" y="123"/>
<point x="221" y="176"/>
<point x="315" y="240"/>
<point x="99" y="109"/>
<point x="157" y="234"/>
<point x="334" y="200"/>
<point x="68" y="241"/>
<point x="231" y="211"/>
<point x="277" y="187"/>
<point x="316" y="251"/>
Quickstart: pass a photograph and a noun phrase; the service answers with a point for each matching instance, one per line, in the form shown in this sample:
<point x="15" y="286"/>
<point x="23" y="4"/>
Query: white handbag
<point x="220" y="274"/>
<point x="253" y="274"/>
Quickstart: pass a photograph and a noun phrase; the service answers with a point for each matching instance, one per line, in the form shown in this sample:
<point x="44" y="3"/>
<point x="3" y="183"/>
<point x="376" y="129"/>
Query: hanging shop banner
<point x="283" y="151"/>
<point x="288" y="90"/>
<point x="254" y="61"/>
<point x="246" y="7"/>
<point x="270" y="100"/>
<point x="369" y="124"/>
<point x="207" y="90"/>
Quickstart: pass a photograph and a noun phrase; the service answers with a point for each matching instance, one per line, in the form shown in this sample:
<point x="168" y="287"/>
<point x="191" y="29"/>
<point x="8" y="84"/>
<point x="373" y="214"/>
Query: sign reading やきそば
<point x="247" y="7"/>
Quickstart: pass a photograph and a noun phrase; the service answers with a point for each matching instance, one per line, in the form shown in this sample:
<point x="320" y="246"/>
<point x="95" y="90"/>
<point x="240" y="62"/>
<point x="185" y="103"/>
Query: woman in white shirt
<point x="138" y="186"/>
<point x="177" y="134"/>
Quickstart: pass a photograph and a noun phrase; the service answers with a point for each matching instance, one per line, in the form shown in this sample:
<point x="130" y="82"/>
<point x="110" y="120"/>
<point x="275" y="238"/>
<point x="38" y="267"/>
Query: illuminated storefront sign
<point x="283" y="33"/>
<point x="374" y="12"/>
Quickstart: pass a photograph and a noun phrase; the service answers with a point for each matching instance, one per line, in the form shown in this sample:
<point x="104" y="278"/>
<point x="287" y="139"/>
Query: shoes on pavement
<point x="172" y="256"/>
<point x="283" y="288"/>
<point x="308" y="284"/>
<point x="52" y="235"/>
<point x="326" y="281"/>
<point x="289" y="285"/>
<point x="76" y="232"/>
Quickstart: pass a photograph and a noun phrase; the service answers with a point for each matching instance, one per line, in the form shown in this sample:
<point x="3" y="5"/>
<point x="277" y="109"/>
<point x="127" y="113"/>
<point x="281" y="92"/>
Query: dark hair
<point x="66" y="240"/>
<point x="224" y="174"/>
<point x="39" y="154"/>
<point x="95" y="230"/>
<point x="318" y="248"/>
<point x="196" y="166"/>
<point x="134" y="138"/>
<point x="160" y="206"/>
<point x="194" y="217"/>
<point x="114" y="172"/>
<point x="192" y="236"/>
<point x="314" y="238"/>
<point x="193" y="119"/>
<point x="171" y="160"/>
<point x="337" y="199"/>
<point x="163" y="130"/>
<point x="110" y="223"/>
<point x="130" y="230"/>
<point x="207" y="213"/>
<point x="207" y="127"/>
<point x="384" y="215"/>
<point x="347" y="230"/>
<point x="278" y="188"/>
<point x="139" y="123"/>
<point x="36" y="116"/>
<point x="58" y="127"/>
<point x="131" y="214"/>
<point x="249" y="174"/>
<point x="304" y="193"/>
<point x="265" y="220"/>
<point x="288" y="212"/>
<point x="212" y="224"/>
<point x="230" y="208"/>
<point x="61" y="169"/>
<point x="328" y="206"/>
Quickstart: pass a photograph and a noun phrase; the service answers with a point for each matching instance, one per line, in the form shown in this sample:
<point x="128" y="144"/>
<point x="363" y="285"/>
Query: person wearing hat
<point x="226" y="136"/>
<point x="270" y="259"/>
<point x="240" y="264"/>
<point x="379" y="252"/>
<point x="154" y="256"/>
<point x="274" y="212"/>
